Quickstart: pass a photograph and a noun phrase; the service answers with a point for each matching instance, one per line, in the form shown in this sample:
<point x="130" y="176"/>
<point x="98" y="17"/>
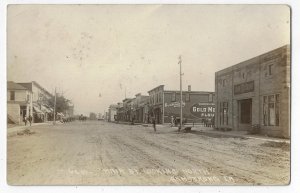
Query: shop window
<point x="187" y="97"/>
<point x="173" y="96"/>
<point x="271" y="110"/>
<point x="12" y="95"/>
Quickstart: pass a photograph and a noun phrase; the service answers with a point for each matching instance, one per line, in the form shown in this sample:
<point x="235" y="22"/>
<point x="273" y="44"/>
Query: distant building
<point x="198" y="106"/>
<point x="140" y="108"/>
<point x="128" y="109"/>
<point x="256" y="93"/>
<point x="112" y="112"/>
<point x="93" y="116"/>
<point x="19" y="102"/>
<point x="120" y="112"/>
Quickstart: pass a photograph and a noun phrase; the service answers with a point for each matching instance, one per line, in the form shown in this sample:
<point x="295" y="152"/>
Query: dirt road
<point x="100" y="153"/>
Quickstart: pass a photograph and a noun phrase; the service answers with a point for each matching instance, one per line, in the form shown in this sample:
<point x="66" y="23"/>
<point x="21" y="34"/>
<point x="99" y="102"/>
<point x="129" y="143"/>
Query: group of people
<point x="27" y="119"/>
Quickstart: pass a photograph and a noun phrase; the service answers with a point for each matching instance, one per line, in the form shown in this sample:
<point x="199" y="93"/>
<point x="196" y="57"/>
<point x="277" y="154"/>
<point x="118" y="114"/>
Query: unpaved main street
<point x="101" y="153"/>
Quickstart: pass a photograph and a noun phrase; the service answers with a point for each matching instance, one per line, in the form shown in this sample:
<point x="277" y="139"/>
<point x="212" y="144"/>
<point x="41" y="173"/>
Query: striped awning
<point x="36" y="109"/>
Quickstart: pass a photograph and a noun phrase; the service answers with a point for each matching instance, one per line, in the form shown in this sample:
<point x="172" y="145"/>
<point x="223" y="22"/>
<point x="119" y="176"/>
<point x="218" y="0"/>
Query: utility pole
<point x="180" y="61"/>
<point x="54" y="111"/>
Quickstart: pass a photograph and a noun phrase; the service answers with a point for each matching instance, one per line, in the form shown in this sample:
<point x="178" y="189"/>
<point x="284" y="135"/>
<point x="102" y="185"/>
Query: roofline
<point x="38" y="85"/>
<point x="191" y="92"/>
<point x="23" y="88"/>
<point x="228" y="68"/>
<point x="156" y="87"/>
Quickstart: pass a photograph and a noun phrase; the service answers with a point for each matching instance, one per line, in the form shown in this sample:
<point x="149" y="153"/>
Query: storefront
<point x="256" y="94"/>
<point x="197" y="106"/>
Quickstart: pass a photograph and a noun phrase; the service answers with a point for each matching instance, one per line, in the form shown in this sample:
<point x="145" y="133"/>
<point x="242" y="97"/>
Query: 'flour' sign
<point x="203" y="110"/>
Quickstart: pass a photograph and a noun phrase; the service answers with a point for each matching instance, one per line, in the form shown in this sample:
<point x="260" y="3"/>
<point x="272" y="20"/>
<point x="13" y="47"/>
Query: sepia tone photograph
<point x="157" y="94"/>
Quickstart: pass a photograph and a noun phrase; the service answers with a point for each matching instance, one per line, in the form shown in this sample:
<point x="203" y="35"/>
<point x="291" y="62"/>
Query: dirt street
<point x="101" y="153"/>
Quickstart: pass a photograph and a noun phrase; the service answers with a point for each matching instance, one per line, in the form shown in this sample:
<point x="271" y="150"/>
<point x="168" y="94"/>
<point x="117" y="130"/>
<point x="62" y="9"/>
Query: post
<point x="180" y="93"/>
<point x="54" y="110"/>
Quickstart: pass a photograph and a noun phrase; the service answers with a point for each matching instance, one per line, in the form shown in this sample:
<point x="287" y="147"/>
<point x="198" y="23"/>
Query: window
<point x="12" y="95"/>
<point x="187" y="97"/>
<point x="270" y="69"/>
<point x="210" y="98"/>
<point x="173" y="96"/>
<point x="224" y="82"/>
<point x="224" y="113"/>
<point x="271" y="109"/>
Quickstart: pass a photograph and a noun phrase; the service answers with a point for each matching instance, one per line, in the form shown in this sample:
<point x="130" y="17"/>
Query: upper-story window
<point x="173" y="96"/>
<point x="12" y="95"/>
<point x="187" y="97"/>
<point x="224" y="82"/>
<point x="270" y="69"/>
<point x="210" y="98"/>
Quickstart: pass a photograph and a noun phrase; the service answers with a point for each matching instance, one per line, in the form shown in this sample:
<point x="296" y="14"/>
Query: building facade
<point x="40" y="96"/>
<point x="112" y="112"/>
<point x="256" y="93"/>
<point x="19" y="103"/>
<point x="141" y="108"/>
<point x="197" y="106"/>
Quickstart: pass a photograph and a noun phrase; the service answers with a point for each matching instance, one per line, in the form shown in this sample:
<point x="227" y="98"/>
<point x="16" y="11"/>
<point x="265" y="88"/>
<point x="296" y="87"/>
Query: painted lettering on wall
<point x="203" y="110"/>
<point x="174" y="104"/>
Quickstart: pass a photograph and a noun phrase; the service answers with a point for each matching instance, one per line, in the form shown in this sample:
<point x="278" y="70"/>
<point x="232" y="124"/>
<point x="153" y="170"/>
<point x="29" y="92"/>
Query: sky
<point x="94" y="54"/>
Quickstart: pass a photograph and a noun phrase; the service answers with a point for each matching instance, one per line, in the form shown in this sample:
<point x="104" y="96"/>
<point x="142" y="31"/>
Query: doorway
<point x="245" y="111"/>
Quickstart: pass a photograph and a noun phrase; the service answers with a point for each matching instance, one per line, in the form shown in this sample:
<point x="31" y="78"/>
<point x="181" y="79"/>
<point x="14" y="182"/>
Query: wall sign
<point x="203" y="110"/>
<point x="174" y="104"/>
<point x="244" y="87"/>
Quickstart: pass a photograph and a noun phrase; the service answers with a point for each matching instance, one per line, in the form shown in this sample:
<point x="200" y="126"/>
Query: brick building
<point x="256" y="93"/>
<point x="198" y="106"/>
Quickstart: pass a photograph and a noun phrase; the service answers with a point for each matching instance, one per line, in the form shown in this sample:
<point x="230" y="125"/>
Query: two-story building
<point x="256" y="93"/>
<point x="19" y="103"/>
<point x="197" y="106"/>
<point x="112" y="112"/>
<point x="141" y="108"/>
<point x="40" y="97"/>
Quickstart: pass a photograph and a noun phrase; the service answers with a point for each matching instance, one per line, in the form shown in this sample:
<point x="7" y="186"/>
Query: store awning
<point x="36" y="109"/>
<point x="45" y="109"/>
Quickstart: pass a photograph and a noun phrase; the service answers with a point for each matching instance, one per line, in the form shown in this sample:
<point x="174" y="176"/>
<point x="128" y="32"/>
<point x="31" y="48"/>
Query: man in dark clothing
<point x="154" y="123"/>
<point x="25" y="120"/>
<point x="30" y="119"/>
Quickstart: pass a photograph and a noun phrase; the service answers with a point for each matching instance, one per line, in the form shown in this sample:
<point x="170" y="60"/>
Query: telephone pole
<point x="54" y="111"/>
<point x="180" y="61"/>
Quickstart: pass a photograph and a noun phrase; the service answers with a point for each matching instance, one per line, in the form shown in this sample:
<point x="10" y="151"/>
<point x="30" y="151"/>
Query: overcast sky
<point x="93" y="53"/>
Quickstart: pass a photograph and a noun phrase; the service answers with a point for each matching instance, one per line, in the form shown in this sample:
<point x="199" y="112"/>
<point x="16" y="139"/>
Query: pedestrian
<point x="154" y="123"/>
<point x="172" y="121"/>
<point x="25" y="120"/>
<point x="30" y="119"/>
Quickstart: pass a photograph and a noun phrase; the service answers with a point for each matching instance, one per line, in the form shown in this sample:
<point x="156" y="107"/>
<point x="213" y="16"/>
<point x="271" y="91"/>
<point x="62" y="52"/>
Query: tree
<point x="62" y="104"/>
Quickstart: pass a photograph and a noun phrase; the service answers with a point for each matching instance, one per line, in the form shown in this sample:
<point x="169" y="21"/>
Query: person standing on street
<point x="25" y="120"/>
<point x="172" y="121"/>
<point x="154" y="123"/>
<point x="30" y="119"/>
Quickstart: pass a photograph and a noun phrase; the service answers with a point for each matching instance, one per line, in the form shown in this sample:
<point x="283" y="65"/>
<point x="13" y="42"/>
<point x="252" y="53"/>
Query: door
<point x="245" y="111"/>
